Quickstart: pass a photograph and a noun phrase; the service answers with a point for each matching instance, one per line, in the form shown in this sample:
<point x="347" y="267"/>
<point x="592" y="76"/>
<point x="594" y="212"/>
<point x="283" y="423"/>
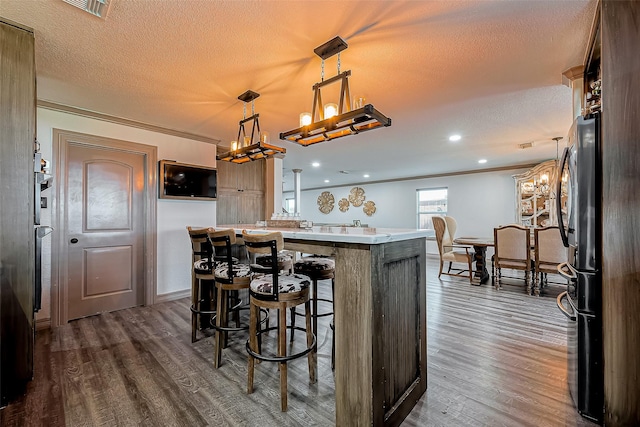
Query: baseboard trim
<point x="172" y="296"/>
<point x="42" y="324"/>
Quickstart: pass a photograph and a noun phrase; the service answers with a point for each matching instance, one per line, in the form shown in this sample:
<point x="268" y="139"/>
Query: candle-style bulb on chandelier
<point x="330" y="121"/>
<point x="244" y="149"/>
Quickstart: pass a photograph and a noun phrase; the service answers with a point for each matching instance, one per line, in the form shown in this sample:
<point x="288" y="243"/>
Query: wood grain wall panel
<point x="401" y="329"/>
<point x="354" y="335"/>
<point x="399" y="349"/>
<point x="621" y="207"/>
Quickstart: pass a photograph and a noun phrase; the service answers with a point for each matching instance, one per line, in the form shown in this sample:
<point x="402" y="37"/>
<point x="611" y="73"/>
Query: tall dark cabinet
<point x="620" y="64"/>
<point x="17" y="188"/>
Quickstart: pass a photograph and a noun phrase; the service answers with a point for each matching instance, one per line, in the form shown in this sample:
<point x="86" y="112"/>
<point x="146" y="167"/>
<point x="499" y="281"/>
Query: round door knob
<point x="74" y="240"/>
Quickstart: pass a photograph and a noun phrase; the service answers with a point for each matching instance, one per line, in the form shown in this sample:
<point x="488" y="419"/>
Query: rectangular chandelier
<point x="330" y="121"/>
<point x="244" y="149"/>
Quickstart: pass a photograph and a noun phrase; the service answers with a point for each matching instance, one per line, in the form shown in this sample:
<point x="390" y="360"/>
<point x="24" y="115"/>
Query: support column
<point x="296" y="190"/>
<point x="273" y="187"/>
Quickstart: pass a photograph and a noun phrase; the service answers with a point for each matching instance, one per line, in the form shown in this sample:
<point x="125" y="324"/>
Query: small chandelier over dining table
<point x="243" y="149"/>
<point x="330" y="121"/>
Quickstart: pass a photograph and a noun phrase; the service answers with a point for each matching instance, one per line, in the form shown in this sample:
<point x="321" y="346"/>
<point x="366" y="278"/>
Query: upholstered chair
<point x="512" y="251"/>
<point x="450" y="252"/>
<point x="549" y="251"/>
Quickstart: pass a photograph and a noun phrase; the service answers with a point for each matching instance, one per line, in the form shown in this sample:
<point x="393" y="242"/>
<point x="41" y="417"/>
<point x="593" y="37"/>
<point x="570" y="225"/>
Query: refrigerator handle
<point x="560" y="305"/>
<point x="563" y="230"/>
<point x="569" y="273"/>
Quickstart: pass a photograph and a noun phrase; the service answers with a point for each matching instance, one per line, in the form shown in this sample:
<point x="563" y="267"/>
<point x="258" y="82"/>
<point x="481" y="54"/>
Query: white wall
<point x="173" y="245"/>
<point x="479" y="202"/>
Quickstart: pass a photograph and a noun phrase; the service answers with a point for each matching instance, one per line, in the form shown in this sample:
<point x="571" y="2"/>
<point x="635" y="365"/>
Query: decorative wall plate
<point x="343" y="205"/>
<point x="326" y="202"/>
<point x="356" y="196"/>
<point x="369" y="208"/>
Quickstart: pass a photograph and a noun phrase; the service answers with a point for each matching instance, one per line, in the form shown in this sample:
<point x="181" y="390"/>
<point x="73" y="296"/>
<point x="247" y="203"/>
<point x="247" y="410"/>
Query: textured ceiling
<point x="488" y="70"/>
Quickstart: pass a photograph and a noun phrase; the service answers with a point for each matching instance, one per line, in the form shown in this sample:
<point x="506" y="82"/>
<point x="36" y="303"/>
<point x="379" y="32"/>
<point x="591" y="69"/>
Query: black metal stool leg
<point x="293" y="322"/>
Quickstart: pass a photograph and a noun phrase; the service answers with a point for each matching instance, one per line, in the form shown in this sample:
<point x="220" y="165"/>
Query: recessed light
<point x="454" y="138"/>
<point x="315" y="164"/>
<point x="326" y="180"/>
<point x="366" y="175"/>
<point x="482" y="161"/>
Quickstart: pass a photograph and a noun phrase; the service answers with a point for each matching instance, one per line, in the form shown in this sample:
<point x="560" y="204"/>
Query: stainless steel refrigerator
<point x="580" y="228"/>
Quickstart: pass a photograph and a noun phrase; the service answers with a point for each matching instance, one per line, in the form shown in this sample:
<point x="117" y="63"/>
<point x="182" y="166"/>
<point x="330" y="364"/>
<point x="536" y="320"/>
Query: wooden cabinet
<point x="536" y="195"/>
<point x="241" y="192"/>
<point x="17" y="208"/>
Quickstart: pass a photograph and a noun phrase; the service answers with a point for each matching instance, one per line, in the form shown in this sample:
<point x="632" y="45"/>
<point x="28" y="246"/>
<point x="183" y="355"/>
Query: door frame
<point x="59" y="249"/>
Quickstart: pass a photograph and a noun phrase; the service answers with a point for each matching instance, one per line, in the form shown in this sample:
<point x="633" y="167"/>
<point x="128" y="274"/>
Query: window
<point x="431" y="201"/>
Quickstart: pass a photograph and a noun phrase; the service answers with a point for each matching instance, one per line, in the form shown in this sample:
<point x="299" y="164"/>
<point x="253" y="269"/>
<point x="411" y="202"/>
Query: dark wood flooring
<point x="495" y="358"/>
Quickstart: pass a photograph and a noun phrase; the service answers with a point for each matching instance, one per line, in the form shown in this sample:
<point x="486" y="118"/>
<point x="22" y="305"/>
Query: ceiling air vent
<point x="98" y="8"/>
<point x="526" y="145"/>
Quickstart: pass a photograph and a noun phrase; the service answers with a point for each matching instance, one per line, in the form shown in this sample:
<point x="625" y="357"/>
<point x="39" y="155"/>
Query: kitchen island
<point x="379" y="316"/>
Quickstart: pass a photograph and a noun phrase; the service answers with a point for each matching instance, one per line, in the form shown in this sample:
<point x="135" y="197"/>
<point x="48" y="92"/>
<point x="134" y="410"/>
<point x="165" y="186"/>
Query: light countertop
<point x="366" y="235"/>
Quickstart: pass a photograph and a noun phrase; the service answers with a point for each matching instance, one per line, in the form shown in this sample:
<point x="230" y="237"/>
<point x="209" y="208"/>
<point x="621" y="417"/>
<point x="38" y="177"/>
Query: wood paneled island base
<point x="380" y="318"/>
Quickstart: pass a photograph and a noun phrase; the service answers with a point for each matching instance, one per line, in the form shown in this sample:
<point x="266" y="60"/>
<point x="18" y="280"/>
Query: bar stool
<point x="285" y="261"/>
<point x="202" y="296"/>
<point x="316" y="267"/>
<point x="230" y="277"/>
<point x="280" y="291"/>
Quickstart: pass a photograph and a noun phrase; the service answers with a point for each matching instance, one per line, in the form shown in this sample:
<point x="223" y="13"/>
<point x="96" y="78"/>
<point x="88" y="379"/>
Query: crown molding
<point x="436" y="175"/>
<point x="54" y="106"/>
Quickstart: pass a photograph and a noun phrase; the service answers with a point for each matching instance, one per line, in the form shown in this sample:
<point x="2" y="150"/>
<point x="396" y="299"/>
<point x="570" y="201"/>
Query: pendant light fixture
<point x="243" y="149"/>
<point x="330" y="121"/>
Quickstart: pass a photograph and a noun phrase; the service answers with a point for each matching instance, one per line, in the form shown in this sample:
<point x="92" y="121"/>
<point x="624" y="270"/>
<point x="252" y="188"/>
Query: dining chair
<point x="446" y="247"/>
<point x="549" y="251"/>
<point x="272" y="289"/>
<point x="512" y="251"/>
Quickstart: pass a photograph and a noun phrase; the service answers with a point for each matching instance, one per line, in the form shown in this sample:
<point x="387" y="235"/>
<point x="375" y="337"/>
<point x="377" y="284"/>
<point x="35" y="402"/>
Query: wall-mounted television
<point x="187" y="182"/>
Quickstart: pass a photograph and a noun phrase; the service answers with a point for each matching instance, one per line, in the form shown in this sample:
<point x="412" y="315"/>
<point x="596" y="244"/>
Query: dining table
<point x="380" y="322"/>
<point x="480" y="245"/>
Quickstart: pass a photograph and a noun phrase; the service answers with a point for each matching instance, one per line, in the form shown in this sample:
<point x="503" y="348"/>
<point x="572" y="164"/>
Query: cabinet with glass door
<point x="536" y="195"/>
